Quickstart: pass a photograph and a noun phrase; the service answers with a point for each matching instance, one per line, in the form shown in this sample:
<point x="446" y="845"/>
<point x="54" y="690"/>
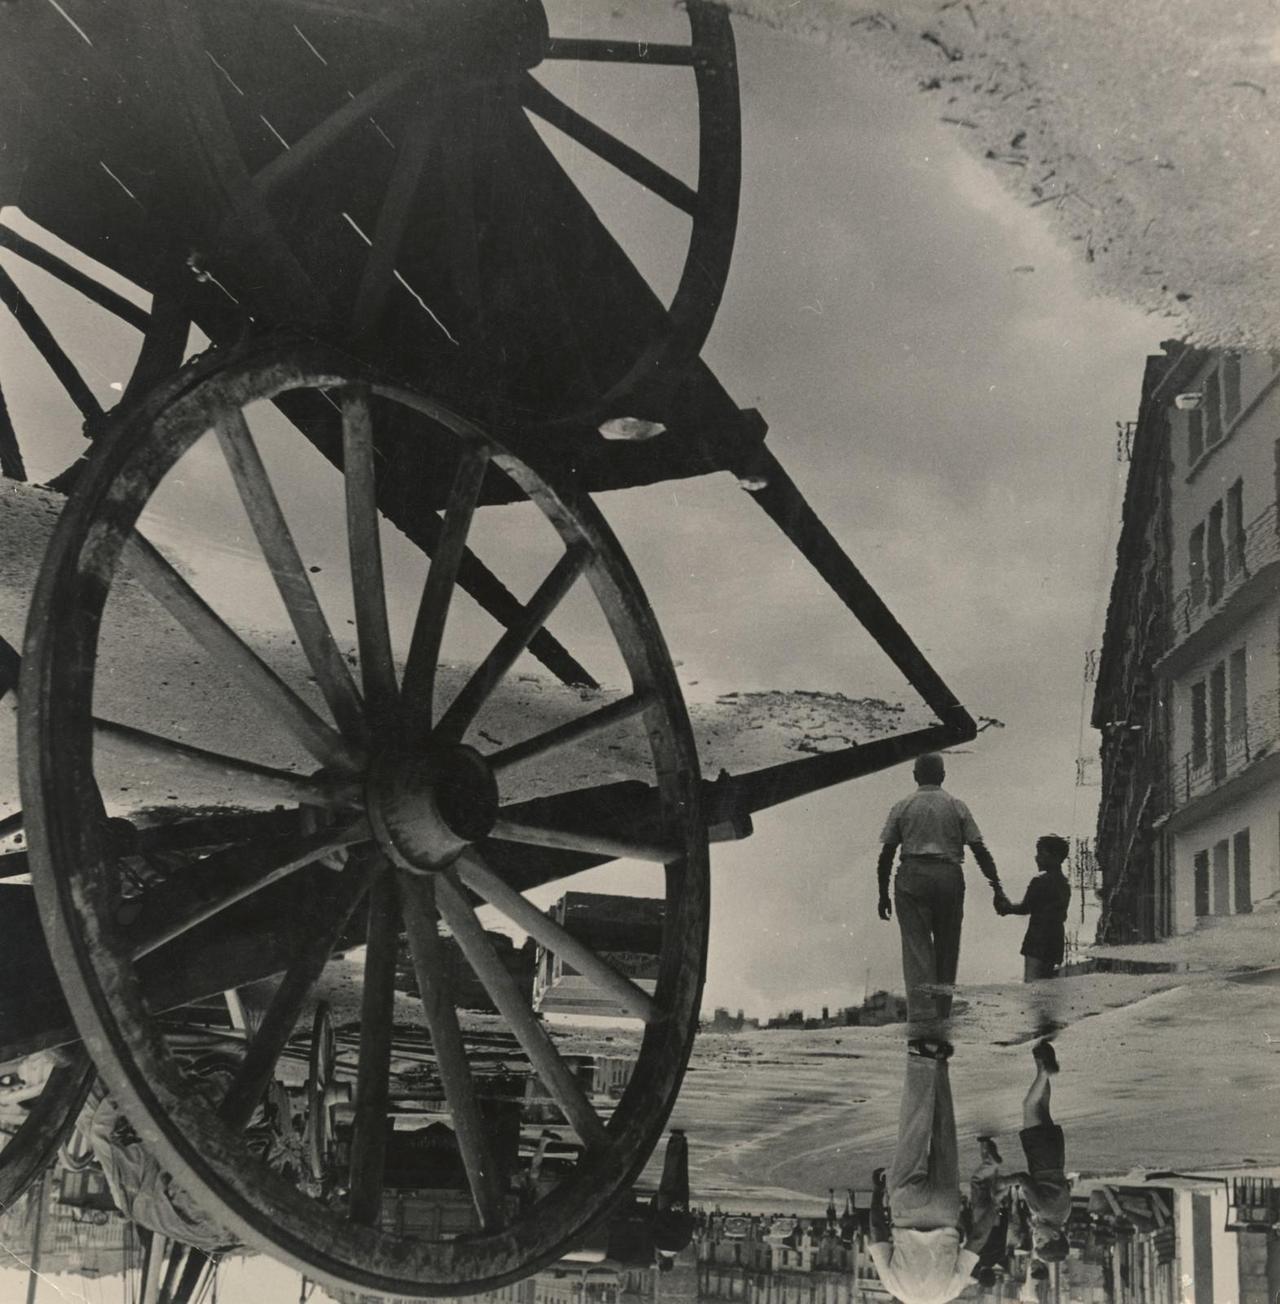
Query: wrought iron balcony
<point x="1241" y="743"/>
<point x="1256" y="547"/>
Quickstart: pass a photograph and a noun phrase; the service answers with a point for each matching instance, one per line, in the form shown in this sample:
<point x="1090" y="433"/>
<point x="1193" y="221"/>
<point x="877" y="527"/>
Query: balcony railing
<point x="1256" y="735"/>
<point x="1243" y="557"/>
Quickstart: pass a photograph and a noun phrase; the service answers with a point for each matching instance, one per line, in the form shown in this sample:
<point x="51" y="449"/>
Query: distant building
<point x="791" y="1019"/>
<point x="624" y="931"/>
<point x="882" y="1007"/>
<point x="83" y="1238"/>
<point x="1188" y="691"/>
<point x="723" y="1021"/>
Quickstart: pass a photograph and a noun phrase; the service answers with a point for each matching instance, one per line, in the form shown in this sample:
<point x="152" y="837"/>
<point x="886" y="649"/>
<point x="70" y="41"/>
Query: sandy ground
<point x="1147" y="132"/>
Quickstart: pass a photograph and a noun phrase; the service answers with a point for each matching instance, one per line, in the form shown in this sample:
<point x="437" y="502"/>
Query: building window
<point x="1212" y="405"/>
<point x="1195" y="554"/>
<point x="1238" y="683"/>
<point x="1215" y="558"/>
<point x="1244" y="888"/>
<point x="1218" y="722"/>
<point x="1222" y="877"/>
<point x="1235" y="528"/>
<point x="1199" y="726"/>
<point x="1195" y="436"/>
<point x="1230" y="387"/>
<point x="1202" y="884"/>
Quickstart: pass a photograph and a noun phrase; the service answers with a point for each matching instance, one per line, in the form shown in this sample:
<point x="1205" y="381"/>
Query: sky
<point x="942" y="387"/>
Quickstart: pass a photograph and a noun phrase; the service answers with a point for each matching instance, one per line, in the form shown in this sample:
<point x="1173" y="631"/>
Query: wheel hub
<point x="428" y="804"/>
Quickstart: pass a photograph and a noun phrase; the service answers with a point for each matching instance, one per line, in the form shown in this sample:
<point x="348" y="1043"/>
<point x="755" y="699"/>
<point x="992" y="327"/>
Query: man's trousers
<point x="928" y="896"/>
<point x="924" y="1180"/>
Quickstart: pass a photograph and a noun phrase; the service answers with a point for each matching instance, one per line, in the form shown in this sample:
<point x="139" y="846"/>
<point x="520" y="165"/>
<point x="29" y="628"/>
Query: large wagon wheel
<point x="423" y="813"/>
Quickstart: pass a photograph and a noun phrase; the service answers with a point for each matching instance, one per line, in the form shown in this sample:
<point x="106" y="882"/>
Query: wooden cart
<point x="352" y="201"/>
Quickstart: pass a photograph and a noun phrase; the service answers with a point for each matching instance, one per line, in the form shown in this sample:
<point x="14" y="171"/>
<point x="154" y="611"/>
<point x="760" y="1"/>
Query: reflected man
<point x="923" y="1258"/>
<point x="932" y="828"/>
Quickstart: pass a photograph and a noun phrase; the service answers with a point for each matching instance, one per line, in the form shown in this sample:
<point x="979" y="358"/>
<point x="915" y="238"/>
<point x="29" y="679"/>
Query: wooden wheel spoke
<point x="476" y="875"/>
<point x="573" y="731"/>
<point x="281" y="1019"/>
<point x="12" y="467"/>
<point x="189" y="609"/>
<point x="393" y="217"/>
<point x="369" y="1141"/>
<point x="333" y="676"/>
<point x="417" y="901"/>
<point x="302" y="155"/>
<point x="489" y="674"/>
<point x="368" y="584"/>
<point x="592" y="842"/>
<point x="244" y="871"/>
<point x="61" y="270"/>
<point x="540" y="101"/>
<point x="55" y="358"/>
<point x="597" y="51"/>
<point x="433" y="610"/>
<point x="532" y="1036"/>
<point x="260" y="780"/>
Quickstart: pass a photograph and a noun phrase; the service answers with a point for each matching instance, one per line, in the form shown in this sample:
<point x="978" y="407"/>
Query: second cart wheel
<point x="423" y="810"/>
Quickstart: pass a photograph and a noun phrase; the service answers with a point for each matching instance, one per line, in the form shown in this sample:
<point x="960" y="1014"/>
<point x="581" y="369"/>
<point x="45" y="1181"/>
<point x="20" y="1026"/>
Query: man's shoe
<point x="1045" y="1056"/>
<point x="930" y="1049"/>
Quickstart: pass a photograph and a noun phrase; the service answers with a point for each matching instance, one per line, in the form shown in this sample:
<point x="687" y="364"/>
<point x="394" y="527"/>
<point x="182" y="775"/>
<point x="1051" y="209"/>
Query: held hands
<point x="1001" y="902"/>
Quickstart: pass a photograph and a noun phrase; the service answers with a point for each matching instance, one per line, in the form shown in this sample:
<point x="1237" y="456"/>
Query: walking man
<point x="932" y="828"/>
<point x="1047" y="900"/>
<point x="921" y="1253"/>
